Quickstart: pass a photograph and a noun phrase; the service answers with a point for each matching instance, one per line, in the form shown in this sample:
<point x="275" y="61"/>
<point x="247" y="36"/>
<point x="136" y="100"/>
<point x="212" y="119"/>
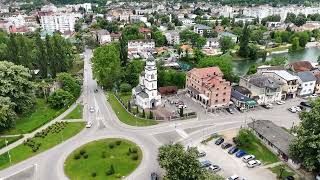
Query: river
<point x="311" y="54"/>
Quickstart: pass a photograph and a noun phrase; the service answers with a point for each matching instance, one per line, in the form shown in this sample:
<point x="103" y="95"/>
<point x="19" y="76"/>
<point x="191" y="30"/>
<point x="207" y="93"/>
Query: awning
<point x="251" y="103"/>
<point x="204" y="97"/>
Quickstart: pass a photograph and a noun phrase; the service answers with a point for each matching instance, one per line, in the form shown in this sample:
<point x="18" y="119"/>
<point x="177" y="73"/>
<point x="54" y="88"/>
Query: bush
<point x="82" y="152"/>
<point x="111" y="145"/>
<point x="118" y="142"/>
<point x="125" y="87"/>
<point x="134" y="150"/>
<point x="85" y="156"/>
<point x="93" y="174"/>
<point x="110" y="171"/>
<point x="77" y="156"/>
<point x="135" y="157"/>
<point x="243" y="138"/>
<point x="103" y="154"/>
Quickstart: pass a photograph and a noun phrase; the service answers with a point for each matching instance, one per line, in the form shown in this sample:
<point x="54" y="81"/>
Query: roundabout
<point x="111" y="158"/>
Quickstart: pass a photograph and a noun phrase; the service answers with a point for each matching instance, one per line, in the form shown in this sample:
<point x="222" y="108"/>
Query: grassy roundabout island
<point x="103" y="159"/>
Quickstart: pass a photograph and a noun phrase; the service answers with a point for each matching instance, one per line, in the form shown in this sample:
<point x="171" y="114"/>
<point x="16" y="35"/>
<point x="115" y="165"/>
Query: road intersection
<point x="50" y="164"/>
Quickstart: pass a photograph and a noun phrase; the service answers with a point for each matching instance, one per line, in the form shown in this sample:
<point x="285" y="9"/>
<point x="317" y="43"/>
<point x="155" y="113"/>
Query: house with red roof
<point x="208" y="87"/>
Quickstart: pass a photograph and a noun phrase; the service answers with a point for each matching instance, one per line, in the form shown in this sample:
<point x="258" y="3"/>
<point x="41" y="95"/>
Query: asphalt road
<point x="105" y="124"/>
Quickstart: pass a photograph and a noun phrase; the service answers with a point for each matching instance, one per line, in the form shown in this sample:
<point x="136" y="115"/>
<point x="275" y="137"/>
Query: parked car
<point x="205" y="163"/>
<point x="226" y="145"/>
<point x="214" y="168"/>
<point x="314" y="96"/>
<point x="281" y="102"/>
<point x="230" y="110"/>
<point x="91" y="109"/>
<point x="233" y="150"/>
<point x="202" y="154"/>
<point x="219" y="141"/>
<point x="154" y="176"/>
<point x="240" y="153"/>
<point x="267" y="106"/>
<point x="306" y="104"/>
<point x="233" y="177"/>
<point x="302" y="108"/>
<point x="293" y="109"/>
<point x="253" y="163"/>
<point x="88" y="124"/>
<point x="247" y="158"/>
<point x="289" y="178"/>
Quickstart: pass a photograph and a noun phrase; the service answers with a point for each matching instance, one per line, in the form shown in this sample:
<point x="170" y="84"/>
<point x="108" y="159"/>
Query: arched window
<point x="152" y="76"/>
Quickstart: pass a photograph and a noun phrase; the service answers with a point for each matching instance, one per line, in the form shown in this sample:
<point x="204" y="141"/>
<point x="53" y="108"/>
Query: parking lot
<point x="231" y="165"/>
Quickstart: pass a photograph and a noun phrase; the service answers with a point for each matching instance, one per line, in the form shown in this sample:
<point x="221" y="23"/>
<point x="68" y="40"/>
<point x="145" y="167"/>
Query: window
<point x="217" y="94"/>
<point x="223" y="100"/>
<point x="216" y="101"/>
<point x="224" y="93"/>
<point x="225" y="87"/>
<point x="217" y="89"/>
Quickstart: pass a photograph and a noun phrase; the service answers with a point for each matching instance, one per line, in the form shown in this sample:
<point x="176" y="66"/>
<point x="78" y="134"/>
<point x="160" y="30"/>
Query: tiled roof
<point x="206" y="72"/>
<point x="301" y="66"/>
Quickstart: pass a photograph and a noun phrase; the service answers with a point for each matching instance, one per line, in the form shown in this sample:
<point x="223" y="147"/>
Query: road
<point x="105" y="124"/>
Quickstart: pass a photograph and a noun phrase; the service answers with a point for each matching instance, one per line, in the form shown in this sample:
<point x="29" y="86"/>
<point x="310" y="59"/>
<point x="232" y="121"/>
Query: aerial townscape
<point x="160" y="90"/>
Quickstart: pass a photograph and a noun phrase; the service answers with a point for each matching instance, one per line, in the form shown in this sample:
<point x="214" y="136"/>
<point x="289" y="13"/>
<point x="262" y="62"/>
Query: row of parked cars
<point x="248" y="159"/>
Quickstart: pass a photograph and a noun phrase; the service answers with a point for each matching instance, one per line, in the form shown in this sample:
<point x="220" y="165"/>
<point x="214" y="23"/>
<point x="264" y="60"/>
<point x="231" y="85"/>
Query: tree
<point x="131" y="72"/>
<point x="7" y="113"/>
<point x="69" y="84"/>
<point x="60" y="98"/>
<point x="15" y="83"/>
<point x="244" y="42"/>
<point x="125" y="87"/>
<point x="256" y="35"/>
<point x="295" y="45"/>
<point x="303" y="38"/>
<point x="226" y="43"/>
<point x="150" y="115"/>
<point x="305" y="147"/>
<point x="106" y="65"/>
<point x="159" y="38"/>
<point x="41" y="56"/>
<point x="123" y="50"/>
<point x="182" y="164"/>
<point x="244" y="137"/>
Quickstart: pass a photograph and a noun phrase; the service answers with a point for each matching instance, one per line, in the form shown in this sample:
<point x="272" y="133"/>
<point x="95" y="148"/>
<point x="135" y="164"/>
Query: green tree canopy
<point x="306" y="145"/>
<point x="69" y="84"/>
<point x="106" y="65"/>
<point x="226" y="43"/>
<point x="7" y="113"/>
<point x="60" y="98"/>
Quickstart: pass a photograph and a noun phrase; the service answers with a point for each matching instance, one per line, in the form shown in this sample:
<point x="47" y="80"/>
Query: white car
<point x="91" y="109"/>
<point x="293" y="109"/>
<point x="281" y="102"/>
<point x="247" y="158"/>
<point x="233" y="177"/>
<point x="253" y="163"/>
<point x="89" y="124"/>
<point x="214" y="168"/>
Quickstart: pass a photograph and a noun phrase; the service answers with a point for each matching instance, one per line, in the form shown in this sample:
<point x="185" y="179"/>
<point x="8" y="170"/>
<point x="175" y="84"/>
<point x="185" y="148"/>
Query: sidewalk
<point x="30" y="135"/>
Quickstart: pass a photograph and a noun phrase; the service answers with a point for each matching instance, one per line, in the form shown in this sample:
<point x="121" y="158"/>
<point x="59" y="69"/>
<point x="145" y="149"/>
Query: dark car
<point x="226" y="145"/>
<point x="154" y="176"/>
<point x="240" y="153"/>
<point x="289" y="178"/>
<point x="219" y="141"/>
<point x="302" y="108"/>
<point x="306" y="104"/>
<point x="205" y="163"/>
<point x="230" y="110"/>
<point x="233" y="150"/>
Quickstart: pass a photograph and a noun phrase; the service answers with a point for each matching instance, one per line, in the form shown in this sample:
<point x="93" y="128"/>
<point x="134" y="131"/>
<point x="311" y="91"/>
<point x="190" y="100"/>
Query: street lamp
<point x="6" y="141"/>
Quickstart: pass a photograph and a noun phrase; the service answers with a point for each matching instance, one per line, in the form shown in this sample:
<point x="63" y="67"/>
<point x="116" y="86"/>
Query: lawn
<point x="55" y="134"/>
<point x="126" y="97"/>
<point x="285" y="173"/>
<point x="124" y="116"/>
<point x="42" y="114"/>
<point x="258" y="149"/>
<point x="76" y="113"/>
<point x="93" y="160"/>
<point x="9" y="139"/>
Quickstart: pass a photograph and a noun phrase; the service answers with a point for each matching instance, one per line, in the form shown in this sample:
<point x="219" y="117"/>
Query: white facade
<point x="139" y="46"/>
<point x="103" y="37"/>
<point x="172" y="37"/>
<point x="58" y="22"/>
<point x="212" y="43"/>
<point x="146" y="95"/>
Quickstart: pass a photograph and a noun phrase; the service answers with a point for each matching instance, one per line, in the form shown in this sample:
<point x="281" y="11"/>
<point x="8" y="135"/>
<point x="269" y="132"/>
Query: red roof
<point x="301" y="66"/>
<point x="144" y="30"/>
<point x="206" y="72"/>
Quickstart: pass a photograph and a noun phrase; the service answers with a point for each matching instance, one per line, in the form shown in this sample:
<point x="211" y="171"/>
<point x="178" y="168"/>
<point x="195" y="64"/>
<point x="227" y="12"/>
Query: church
<point x="146" y="95"/>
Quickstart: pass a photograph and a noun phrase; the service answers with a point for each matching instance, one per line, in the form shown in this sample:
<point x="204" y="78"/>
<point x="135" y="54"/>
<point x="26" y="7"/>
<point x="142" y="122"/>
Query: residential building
<point x="307" y="83"/>
<point x="103" y="36"/>
<point x="291" y="82"/>
<point x="275" y="138"/>
<point x="146" y="95"/>
<point x="264" y="89"/>
<point x="240" y="96"/>
<point x="146" y="32"/>
<point x="212" y="43"/>
<point x="58" y="22"/>
<point x="201" y="29"/>
<point x="228" y="34"/>
<point x="208" y="87"/>
<point x="187" y="22"/>
<point x="317" y="88"/>
<point x="140" y="46"/>
<point x="172" y="37"/>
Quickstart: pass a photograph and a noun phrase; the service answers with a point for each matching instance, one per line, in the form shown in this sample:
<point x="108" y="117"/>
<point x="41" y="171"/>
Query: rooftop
<point x="306" y="76"/>
<point x="273" y="133"/>
<point x="206" y="72"/>
<point x="283" y="74"/>
<point x="264" y="81"/>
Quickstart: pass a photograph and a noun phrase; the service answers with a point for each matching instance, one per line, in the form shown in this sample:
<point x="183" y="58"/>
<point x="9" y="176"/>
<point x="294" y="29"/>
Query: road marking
<point x="182" y="133"/>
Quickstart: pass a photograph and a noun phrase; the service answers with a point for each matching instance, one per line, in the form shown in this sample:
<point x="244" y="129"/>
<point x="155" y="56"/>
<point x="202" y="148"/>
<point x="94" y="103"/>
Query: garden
<point x="46" y="139"/>
<point x="105" y="159"/>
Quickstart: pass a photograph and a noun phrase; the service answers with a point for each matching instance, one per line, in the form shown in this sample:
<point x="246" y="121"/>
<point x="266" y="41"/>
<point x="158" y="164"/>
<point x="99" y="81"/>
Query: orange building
<point x="207" y="86"/>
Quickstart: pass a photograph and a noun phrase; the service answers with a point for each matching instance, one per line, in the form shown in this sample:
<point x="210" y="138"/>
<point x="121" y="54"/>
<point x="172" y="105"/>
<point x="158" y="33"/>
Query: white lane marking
<point x="182" y="133"/>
